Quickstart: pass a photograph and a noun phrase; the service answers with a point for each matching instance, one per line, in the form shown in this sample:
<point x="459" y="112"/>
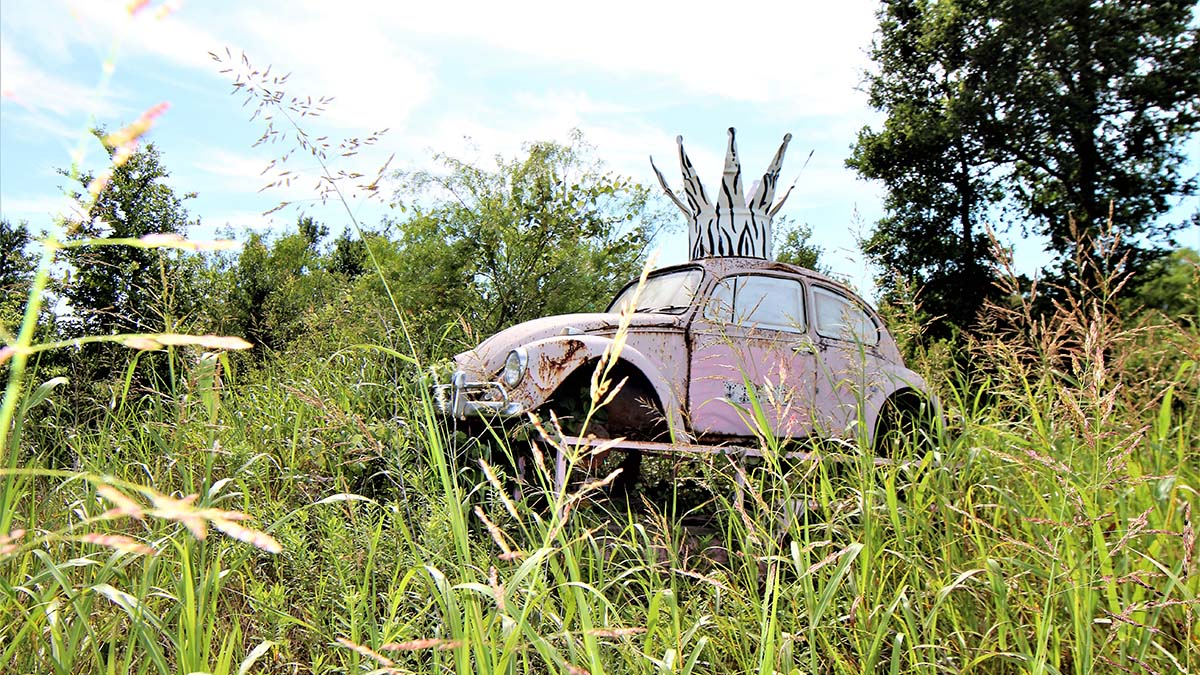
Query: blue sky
<point x="468" y="79"/>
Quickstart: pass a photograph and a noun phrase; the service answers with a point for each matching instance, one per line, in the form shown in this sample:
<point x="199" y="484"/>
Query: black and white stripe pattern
<point x="734" y="225"/>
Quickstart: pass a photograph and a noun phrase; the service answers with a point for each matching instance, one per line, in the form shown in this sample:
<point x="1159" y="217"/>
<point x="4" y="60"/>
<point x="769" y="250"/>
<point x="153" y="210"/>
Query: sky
<point x="468" y="79"/>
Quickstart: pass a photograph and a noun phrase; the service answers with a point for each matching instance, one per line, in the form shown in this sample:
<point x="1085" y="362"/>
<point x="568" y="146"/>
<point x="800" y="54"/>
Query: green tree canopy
<point x="1171" y="285"/>
<point x="793" y="245"/>
<point x="548" y="233"/>
<point x="271" y="292"/>
<point x="119" y="289"/>
<point x="1046" y="111"/>
<point x="16" y="274"/>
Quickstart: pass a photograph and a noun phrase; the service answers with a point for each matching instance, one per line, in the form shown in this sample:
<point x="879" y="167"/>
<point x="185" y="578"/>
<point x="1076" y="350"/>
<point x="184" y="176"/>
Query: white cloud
<point x="374" y="82"/>
<point x="43" y="93"/>
<point x="332" y="51"/>
<point x="573" y="102"/>
<point x="39" y="210"/>
<point x="807" y="54"/>
<point x="170" y="35"/>
<point x="221" y="171"/>
<point x="241" y="220"/>
<point x="228" y="170"/>
<point x="377" y="59"/>
<point x="804" y="57"/>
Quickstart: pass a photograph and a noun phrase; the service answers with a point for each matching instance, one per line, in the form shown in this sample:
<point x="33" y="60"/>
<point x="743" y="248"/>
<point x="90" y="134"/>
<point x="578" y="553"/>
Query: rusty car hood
<point x="489" y="356"/>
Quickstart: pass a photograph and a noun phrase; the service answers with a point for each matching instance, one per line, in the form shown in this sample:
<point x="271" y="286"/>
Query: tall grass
<point x="1051" y="532"/>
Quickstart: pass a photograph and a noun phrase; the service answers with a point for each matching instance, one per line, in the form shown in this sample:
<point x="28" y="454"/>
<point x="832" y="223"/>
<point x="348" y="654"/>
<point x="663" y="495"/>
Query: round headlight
<point x="514" y="367"/>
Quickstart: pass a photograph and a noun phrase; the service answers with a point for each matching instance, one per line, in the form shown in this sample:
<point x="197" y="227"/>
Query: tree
<point x="275" y="286"/>
<point x="312" y="231"/>
<point x="939" y="179"/>
<point x="16" y="275"/>
<point x="1050" y="110"/>
<point x="1170" y="286"/>
<point x="1088" y="104"/>
<point x="348" y="257"/>
<point x="794" y="246"/>
<point x="251" y="287"/>
<point x="549" y="233"/>
<point x="125" y="289"/>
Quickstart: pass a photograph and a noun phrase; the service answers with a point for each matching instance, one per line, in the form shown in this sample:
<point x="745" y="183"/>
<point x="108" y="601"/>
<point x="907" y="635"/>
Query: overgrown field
<point x="311" y="514"/>
<point x="170" y="504"/>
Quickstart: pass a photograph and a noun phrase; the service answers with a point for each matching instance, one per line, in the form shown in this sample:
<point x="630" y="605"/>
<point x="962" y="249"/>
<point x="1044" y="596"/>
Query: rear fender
<point x="899" y="382"/>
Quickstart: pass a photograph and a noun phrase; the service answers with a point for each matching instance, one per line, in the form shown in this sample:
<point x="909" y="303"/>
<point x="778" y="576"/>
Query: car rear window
<point x="841" y="318"/>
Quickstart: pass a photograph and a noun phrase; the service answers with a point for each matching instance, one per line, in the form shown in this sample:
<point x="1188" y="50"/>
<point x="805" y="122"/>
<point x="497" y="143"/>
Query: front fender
<point x="553" y="360"/>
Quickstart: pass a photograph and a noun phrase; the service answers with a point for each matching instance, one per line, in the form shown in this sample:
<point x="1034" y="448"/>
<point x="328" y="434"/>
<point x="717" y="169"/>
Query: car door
<point x="751" y="330"/>
<point x="847" y="360"/>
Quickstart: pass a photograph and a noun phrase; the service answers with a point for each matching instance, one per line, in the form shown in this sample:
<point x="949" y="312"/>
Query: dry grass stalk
<point x="366" y="651"/>
<point x="196" y="520"/>
<point x="496" y="533"/>
<point x="124" y="505"/>
<point x="423" y="644"/>
<point x="492" y="480"/>
<point x="8" y="542"/>
<point x="497" y="588"/>
<point x="118" y="542"/>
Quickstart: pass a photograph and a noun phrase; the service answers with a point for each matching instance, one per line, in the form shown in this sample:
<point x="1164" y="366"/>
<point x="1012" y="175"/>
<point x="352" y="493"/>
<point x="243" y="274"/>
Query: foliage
<point x="349" y="256"/>
<point x="16" y="274"/>
<point x="1090" y="104"/>
<point x="547" y="233"/>
<point x="1051" y="110"/>
<point x="115" y="289"/>
<point x="281" y="291"/>
<point x="935" y="168"/>
<point x="795" y="247"/>
<point x="1050" y="533"/>
<point x="127" y="289"/>
<point x="275" y="286"/>
<point x="1170" y="285"/>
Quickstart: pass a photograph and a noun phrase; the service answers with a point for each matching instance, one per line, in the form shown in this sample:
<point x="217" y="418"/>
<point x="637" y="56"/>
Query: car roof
<point x="726" y="265"/>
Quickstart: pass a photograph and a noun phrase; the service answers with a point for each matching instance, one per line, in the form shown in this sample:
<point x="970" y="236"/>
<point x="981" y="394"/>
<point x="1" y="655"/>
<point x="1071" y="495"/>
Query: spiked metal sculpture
<point x="734" y="225"/>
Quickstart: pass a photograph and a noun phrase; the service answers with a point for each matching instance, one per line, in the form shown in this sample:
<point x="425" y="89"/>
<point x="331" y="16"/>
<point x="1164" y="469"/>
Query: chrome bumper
<point x="462" y="398"/>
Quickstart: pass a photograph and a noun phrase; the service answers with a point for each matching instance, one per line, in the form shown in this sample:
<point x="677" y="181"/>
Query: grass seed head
<point x="118" y="542"/>
<point x="366" y="651"/>
<point x="8" y="542"/>
<point x="256" y="538"/>
<point x="422" y="644"/>
<point x="124" y="505"/>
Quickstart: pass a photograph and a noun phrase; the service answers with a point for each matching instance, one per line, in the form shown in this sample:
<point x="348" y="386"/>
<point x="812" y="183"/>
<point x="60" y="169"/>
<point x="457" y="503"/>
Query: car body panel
<point x="735" y="365"/>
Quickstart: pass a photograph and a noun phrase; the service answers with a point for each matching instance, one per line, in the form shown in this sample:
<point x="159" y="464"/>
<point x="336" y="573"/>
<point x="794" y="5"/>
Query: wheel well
<point x="907" y="399"/>
<point x="635" y="411"/>
<point x="906" y="403"/>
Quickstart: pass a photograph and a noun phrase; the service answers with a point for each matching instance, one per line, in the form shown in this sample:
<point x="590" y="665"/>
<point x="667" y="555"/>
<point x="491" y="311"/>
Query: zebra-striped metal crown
<point x="733" y="225"/>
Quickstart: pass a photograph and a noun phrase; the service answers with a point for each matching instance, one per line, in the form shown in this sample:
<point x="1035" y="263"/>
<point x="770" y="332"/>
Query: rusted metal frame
<point x="700" y="449"/>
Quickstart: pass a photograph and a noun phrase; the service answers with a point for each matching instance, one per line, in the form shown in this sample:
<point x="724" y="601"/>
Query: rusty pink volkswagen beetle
<point x="711" y="342"/>
<point x="724" y="352"/>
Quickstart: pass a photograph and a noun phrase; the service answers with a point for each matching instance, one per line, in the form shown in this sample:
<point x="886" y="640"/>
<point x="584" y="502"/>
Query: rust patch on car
<point x="550" y="366"/>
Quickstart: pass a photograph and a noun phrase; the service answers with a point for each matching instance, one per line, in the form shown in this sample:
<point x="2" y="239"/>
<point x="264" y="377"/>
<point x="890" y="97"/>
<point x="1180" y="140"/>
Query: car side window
<point x="770" y="303"/>
<point x="840" y="318"/>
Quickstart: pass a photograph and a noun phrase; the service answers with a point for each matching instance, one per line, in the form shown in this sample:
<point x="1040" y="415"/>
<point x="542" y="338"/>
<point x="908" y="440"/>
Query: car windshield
<point x="670" y="293"/>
